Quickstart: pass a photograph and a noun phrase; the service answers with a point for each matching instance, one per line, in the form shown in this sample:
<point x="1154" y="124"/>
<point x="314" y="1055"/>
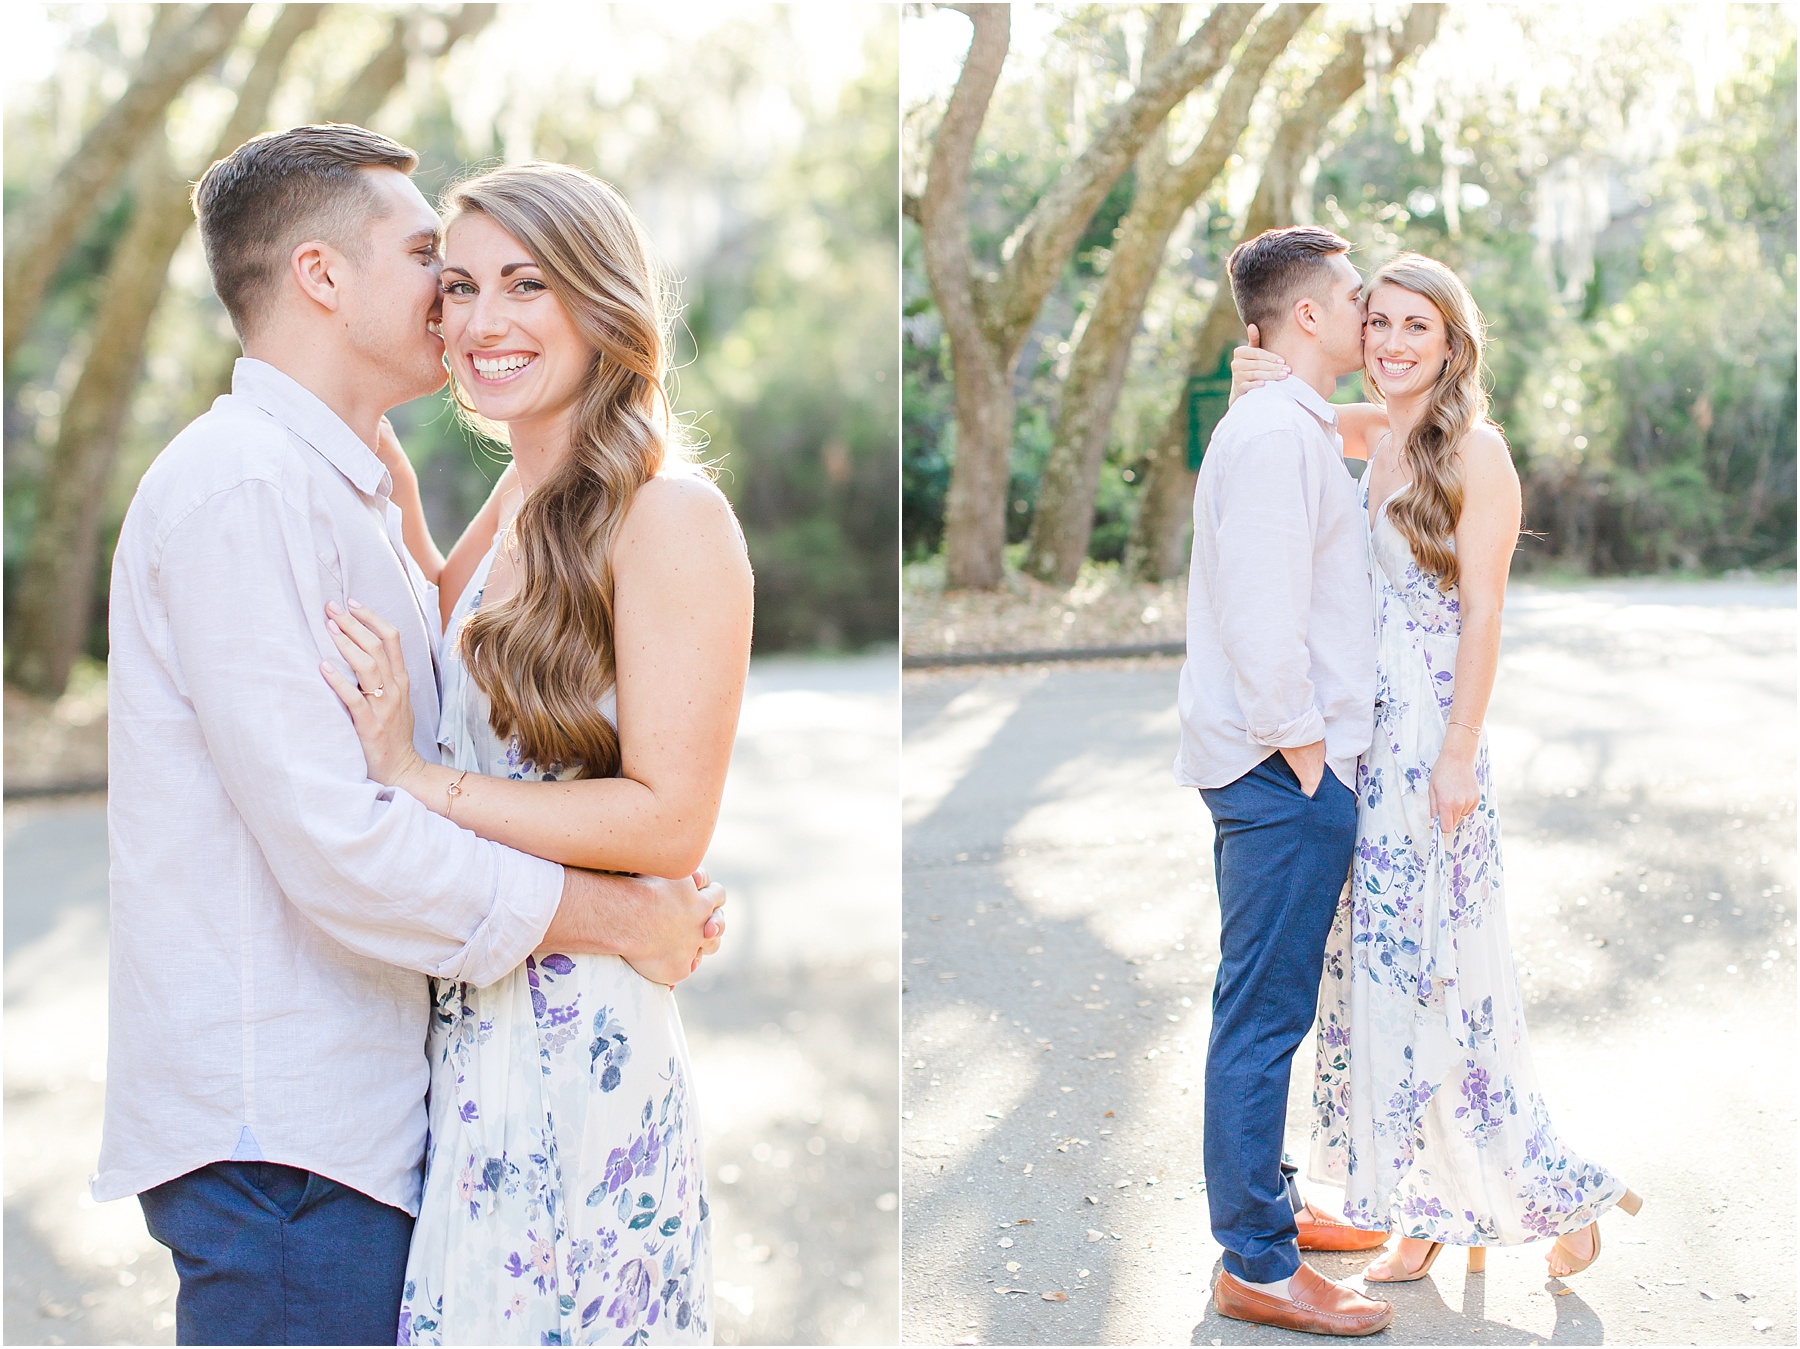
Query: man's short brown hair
<point x="1271" y="271"/>
<point x="276" y="191"/>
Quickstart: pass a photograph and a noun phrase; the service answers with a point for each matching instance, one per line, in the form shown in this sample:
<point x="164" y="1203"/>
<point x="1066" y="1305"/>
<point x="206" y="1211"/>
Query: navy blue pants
<point x="272" y="1254"/>
<point x="1281" y="859"/>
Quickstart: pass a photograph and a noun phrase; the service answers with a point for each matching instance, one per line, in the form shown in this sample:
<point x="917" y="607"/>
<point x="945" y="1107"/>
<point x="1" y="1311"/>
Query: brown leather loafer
<point x="1321" y="1232"/>
<point x="1318" y="1307"/>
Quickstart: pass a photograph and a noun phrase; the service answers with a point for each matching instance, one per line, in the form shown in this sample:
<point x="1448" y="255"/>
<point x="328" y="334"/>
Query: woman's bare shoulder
<point x="679" y="495"/>
<point x="1485" y="454"/>
<point x="680" y="509"/>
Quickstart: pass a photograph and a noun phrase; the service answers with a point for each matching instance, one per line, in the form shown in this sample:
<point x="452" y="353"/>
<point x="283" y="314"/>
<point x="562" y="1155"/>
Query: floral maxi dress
<point x="1426" y="1106"/>
<point x="563" y="1198"/>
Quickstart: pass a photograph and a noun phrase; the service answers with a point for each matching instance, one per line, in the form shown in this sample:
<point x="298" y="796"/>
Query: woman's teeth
<point x="501" y="367"/>
<point x="1395" y="369"/>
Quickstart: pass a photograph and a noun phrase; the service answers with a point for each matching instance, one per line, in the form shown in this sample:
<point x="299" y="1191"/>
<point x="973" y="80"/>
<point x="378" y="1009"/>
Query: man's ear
<point x="1305" y="313"/>
<point x="317" y="269"/>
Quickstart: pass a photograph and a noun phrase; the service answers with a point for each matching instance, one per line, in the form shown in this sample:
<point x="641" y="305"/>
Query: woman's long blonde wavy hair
<point x="544" y="656"/>
<point x="1427" y="509"/>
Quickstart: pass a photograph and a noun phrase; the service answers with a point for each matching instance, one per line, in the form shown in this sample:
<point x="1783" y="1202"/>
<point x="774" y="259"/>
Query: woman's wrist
<point x="419" y="780"/>
<point x="1459" y="746"/>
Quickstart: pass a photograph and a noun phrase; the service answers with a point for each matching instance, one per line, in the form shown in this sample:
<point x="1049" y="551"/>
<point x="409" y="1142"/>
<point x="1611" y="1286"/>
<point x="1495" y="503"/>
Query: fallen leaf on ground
<point x="1054" y="1297"/>
<point x="1083" y="1273"/>
<point x="1709" y="1295"/>
<point x="1092" y="1235"/>
<point x="1090" y="1198"/>
<point x="1761" y="1323"/>
<point x="1005" y="1242"/>
<point x="1012" y="1266"/>
<point x="1120" y="1184"/>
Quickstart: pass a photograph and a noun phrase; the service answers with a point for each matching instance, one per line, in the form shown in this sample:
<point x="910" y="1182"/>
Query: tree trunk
<point x="50" y="615"/>
<point x="1064" y="520"/>
<point x="979" y="374"/>
<point x="987" y="320"/>
<point x="1157" y="549"/>
<point x="182" y="44"/>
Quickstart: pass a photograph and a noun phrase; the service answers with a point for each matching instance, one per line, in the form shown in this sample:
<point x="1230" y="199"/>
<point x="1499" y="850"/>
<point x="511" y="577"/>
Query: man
<point x="1276" y="702"/>
<point x="273" y="910"/>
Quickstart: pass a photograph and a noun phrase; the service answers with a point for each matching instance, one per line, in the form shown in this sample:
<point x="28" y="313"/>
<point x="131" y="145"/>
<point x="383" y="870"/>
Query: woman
<point x="1428" y="1110"/>
<point x="592" y="671"/>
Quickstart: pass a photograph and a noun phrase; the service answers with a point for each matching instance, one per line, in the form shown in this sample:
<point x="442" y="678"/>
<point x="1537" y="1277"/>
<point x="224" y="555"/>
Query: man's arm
<point x="1263" y="597"/>
<point x="662" y="928"/>
<point x="244" y="588"/>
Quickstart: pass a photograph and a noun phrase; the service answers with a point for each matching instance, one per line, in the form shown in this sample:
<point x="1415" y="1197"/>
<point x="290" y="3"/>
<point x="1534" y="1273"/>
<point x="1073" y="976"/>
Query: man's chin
<point x="430" y="382"/>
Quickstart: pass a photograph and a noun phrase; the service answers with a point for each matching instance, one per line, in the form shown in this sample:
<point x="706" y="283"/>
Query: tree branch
<point x="44" y="229"/>
<point x="1041" y="245"/>
<point x="369" y="88"/>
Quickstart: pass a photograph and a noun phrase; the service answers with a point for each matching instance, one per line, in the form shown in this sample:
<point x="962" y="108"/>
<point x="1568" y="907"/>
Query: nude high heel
<point x="1629" y="1201"/>
<point x="1477" y="1264"/>
<point x="1406" y="1275"/>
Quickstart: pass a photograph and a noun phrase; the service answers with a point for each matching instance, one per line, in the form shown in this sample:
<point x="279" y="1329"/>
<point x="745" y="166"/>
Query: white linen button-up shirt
<point x="1281" y="621"/>
<point x="275" y="912"/>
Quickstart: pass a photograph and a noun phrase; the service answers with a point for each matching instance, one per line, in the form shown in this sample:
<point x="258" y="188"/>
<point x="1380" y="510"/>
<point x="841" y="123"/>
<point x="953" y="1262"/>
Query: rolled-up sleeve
<point x="1263" y="590"/>
<point x="245" y="591"/>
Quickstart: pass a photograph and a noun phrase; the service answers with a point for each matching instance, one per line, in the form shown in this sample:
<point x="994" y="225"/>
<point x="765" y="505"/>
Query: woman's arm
<point x="1359" y="424"/>
<point x="406" y="497"/>
<point x="682" y="611"/>
<point x="502" y="504"/>
<point x="1486" y="535"/>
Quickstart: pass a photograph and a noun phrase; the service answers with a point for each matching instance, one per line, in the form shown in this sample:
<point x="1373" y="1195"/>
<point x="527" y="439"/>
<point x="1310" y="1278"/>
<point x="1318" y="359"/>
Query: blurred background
<point x="759" y="144"/>
<point x="1614" y="182"/>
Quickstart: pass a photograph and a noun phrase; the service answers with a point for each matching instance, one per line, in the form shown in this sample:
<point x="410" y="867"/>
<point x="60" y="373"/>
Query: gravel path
<point x="1061" y="933"/>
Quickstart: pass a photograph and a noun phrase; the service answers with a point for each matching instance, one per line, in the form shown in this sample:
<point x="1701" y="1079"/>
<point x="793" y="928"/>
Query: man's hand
<point x="1308" y="763"/>
<point x="662" y="928"/>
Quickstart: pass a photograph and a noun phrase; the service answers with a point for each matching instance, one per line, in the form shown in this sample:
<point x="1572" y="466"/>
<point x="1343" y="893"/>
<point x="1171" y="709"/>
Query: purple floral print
<point x="1424" y="1095"/>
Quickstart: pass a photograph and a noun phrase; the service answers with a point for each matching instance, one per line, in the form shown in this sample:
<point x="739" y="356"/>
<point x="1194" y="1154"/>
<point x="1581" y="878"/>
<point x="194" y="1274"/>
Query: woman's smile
<point x="500" y="367"/>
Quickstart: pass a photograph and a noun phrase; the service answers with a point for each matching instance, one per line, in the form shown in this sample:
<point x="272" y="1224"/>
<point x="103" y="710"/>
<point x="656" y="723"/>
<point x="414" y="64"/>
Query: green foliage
<point x="1642" y="369"/>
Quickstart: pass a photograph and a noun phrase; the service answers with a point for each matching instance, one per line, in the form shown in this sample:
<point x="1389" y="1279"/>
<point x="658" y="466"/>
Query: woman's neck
<point x="1404" y="414"/>
<point x="539" y="447"/>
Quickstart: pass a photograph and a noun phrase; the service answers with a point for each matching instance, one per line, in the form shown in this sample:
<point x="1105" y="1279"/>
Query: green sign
<point x="1208" y="396"/>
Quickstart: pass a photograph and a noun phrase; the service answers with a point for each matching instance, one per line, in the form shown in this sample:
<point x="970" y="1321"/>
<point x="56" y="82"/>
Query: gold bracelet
<point x="1468" y="725"/>
<point x="453" y="791"/>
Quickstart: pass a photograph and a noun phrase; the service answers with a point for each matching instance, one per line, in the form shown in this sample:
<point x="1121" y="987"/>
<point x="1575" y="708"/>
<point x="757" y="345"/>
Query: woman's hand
<point x="1453" y="789"/>
<point x="379" y="698"/>
<point x="1252" y="367"/>
<point x="393" y="457"/>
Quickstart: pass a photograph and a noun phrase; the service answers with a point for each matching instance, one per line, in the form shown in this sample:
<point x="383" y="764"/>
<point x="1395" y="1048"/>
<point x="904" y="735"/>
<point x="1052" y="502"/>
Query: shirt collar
<point x="1307" y="397"/>
<point x="304" y="413"/>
